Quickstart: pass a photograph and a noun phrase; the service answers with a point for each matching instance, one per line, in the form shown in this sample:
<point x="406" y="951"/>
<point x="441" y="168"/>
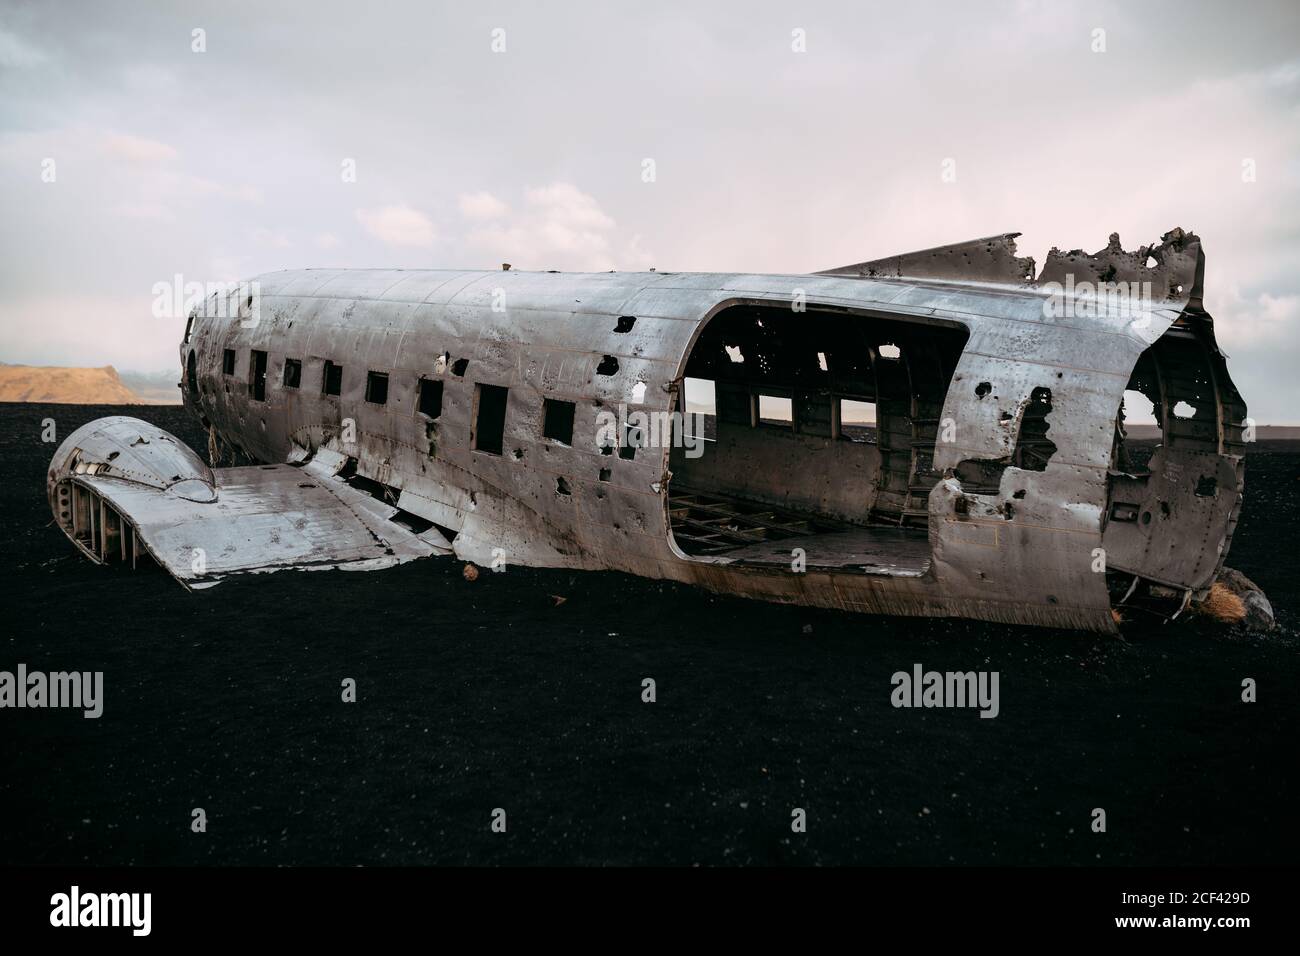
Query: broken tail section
<point x="1172" y="270"/>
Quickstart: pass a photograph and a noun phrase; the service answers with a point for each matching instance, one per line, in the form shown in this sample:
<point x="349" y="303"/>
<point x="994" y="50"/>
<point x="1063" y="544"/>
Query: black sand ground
<point x="482" y="695"/>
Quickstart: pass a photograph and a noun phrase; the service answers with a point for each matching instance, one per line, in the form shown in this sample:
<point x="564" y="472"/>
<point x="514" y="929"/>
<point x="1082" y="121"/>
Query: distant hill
<point x="66" y="386"/>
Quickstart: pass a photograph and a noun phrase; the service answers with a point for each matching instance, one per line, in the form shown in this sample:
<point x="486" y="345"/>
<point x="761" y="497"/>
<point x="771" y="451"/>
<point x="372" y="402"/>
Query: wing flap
<point x="266" y="518"/>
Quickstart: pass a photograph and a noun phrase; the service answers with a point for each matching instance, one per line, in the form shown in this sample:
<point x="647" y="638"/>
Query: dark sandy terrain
<point x="482" y="695"/>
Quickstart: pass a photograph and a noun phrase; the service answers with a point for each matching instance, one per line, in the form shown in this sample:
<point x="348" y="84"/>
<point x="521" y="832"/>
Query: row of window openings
<point x="490" y="403"/>
<point x="489" y="433"/>
<point x="490" y="400"/>
<point x="557" y="424"/>
<point x="376" y="382"/>
<point x="854" y="416"/>
<point x="777" y="411"/>
<point x="430" y="399"/>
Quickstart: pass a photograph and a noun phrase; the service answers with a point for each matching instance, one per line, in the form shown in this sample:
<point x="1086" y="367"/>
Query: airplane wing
<point x="122" y="489"/>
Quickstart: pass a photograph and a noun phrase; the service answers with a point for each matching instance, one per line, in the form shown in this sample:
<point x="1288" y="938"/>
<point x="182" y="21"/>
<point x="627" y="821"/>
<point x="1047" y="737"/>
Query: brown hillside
<point x="70" y="386"/>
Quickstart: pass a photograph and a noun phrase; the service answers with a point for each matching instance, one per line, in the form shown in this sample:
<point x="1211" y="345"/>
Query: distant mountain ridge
<point x="67" y="386"/>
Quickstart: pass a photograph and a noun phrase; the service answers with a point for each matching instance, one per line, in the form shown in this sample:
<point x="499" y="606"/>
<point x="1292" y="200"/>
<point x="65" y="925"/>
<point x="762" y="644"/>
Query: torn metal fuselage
<point x="512" y="417"/>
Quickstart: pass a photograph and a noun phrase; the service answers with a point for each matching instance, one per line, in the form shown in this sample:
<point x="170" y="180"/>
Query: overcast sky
<point x="226" y="163"/>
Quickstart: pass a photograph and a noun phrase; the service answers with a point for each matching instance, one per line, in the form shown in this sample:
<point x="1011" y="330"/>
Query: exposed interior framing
<point x="1192" y="478"/>
<point x="783" y="459"/>
<point x="97" y="527"/>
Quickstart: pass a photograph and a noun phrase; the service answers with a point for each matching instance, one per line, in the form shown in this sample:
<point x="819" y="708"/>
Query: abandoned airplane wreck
<point x="937" y="433"/>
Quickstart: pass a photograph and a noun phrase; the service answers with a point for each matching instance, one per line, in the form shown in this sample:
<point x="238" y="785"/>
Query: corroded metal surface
<point x="991" y="259"/>
<point x="1018" y="493"/>
<point x="203" y="526"/>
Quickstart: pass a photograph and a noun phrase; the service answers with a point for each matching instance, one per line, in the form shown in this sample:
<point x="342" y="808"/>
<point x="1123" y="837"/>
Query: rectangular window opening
<point x="377" y="388"/>
<point x="430" y="397"/>
<point x="332" y="379"/>
<point x="557" y="420"/>
<point x="292" y="373"/>
<point x="257" y="375"/>
<point x="228" y="362"/>
<point x="776" y="411"/>
<point x="857" y="420"/>
<point x="700" y="408"/>
<point x="489" y="417"/>
<point x="701" y="396"/>
<point x="632" y="440"/>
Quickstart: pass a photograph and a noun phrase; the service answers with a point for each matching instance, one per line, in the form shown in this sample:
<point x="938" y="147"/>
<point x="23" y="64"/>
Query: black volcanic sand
<point x="482" y="695"/>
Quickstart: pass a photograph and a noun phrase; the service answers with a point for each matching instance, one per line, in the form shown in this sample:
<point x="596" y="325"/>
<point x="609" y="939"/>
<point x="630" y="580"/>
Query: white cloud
<point x="266" y="237"/>
<point x="137" y="149"/>
<point x="327" y="240"/>
<point x="559" y="227"/>
<point x="150" y="78"/>
<point x="482" y="205"/>
<point x="1244" y="321"/>
<point x="185" y="184"/>
<point x="568" y="207"/>
<point x="398" y="225"/>
<point x="1286" y="75"/>
<point x="149" y="211"/>
<point x="17" y="52"/>
<point x="228" y="269"/>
